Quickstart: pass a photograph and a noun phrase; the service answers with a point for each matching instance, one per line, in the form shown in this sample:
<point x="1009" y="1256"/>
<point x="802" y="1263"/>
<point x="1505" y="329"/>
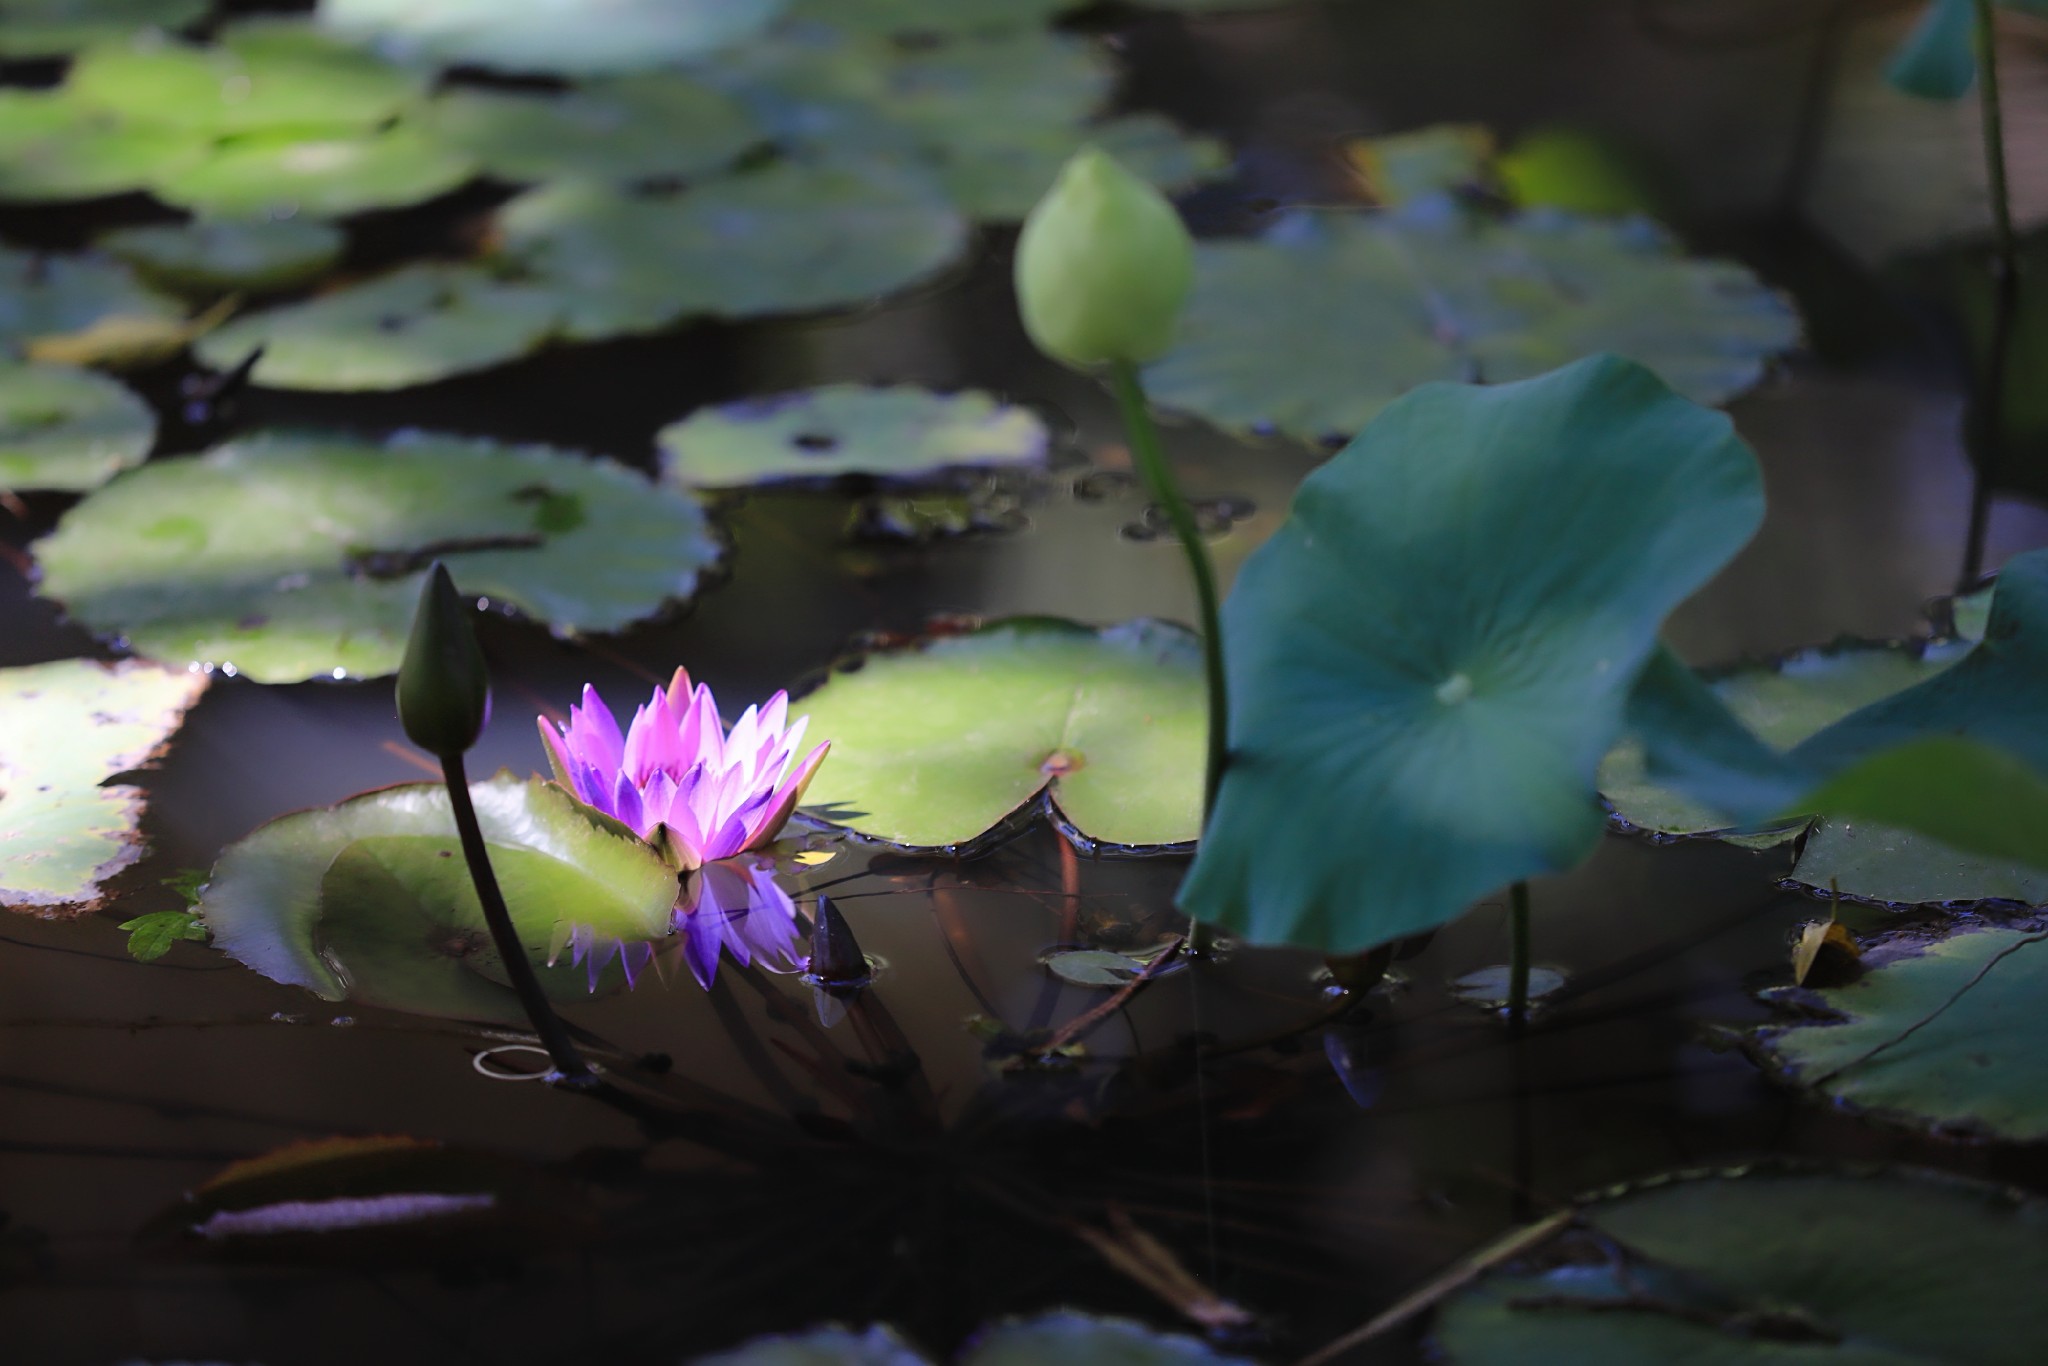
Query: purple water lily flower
<point x="678" y="777"/>
<point x="734" y="905"/>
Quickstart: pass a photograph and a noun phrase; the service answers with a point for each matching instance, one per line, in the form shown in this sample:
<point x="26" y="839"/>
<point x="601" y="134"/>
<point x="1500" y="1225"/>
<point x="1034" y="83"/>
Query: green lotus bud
<point x="1103" y="266"/>
<point x="444" y="688"/>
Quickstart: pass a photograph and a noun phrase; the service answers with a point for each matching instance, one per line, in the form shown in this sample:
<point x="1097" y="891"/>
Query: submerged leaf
<point x="290" y="557"/>
<point x="66" y="728"/>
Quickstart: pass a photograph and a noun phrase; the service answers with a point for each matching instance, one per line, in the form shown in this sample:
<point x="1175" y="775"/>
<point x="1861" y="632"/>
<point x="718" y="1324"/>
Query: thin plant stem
<point x="569" y="1065"/>
<point x="2005" y="275"/>
<point x="1518" y="954"/>
<point x="1150" y="457"/>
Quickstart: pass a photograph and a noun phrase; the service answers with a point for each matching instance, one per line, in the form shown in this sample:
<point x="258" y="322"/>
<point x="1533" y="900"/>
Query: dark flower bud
<point x="444" y="688"/>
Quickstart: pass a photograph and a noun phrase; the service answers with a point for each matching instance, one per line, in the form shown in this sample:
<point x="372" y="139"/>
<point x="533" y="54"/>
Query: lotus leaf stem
<point x="2005" y="276"/>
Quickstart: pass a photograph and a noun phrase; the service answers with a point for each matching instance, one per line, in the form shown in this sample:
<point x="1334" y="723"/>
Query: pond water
<point x="1315" y="1167"/>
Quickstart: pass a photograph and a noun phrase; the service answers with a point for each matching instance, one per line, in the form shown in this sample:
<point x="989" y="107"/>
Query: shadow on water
<point x="1308" y="1163"/>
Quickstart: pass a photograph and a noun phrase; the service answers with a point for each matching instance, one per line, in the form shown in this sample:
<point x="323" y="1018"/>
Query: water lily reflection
<point x="734" y="905"/>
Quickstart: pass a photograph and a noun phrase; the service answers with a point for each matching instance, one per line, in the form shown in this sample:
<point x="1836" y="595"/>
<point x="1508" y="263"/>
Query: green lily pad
<point x="1561" y="167"/>
<point x="629" y="128"/>
<point x="1972" y="1062"/>
<point x="900" y="433"/>
<point x="212" y="256"/>
<point x="52" y="149"/>
<point x="559" y="36"/>
<point x="1783" y="702"/>
<point x="930" y="18"/>
<point x="413" y="326"/>
<point x="371" y="901"/>
<point x="787" y="239"/>
<point x="1437" y="648"/>
<point x="1869" y="861"/>
<point x="1328" y="317"/>
<point x="66" y="728"/>
<point x="1003" y="174"/>
<point x="321" y="175"/>
<point x="264" y="74"/>
<point x="62" y="428"/>
<point x="939" y="745"/>
<point x="1400" y="168"/>
<point x="44" y="296"/>
<point x="290" y="557"/>
<point x="1770" y="1267"/>
<point x="56" y="28"/>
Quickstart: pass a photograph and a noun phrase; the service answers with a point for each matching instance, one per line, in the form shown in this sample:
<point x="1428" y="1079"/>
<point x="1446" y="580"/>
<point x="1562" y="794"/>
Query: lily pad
<point x="1328" y="317"/>
<point x="1770" y="1266"/>
<point x="52" y="148"/>
<point x="901" y="433"/>
<point x="568" y="37"/>
<point x="1000" y="176"/>
<point x="1784" y="702"/>
<point x="1075" y="1339"/>
<point x="321" y="175"/>
<point x="371" y="901"/>
<point x="413" y="326"/>
<point x="787" y="239"/>
<point x="937" y="746"/>
<point x="66" y="728"/>
<point x="291" y="557"/>
<point x="264" y="74"/>
<point x="629" y="128"/>
<point x="212" y="256"/>
<point x="52" y="295"/>
<point x="56" y="28"/>
<point x="1437" y="648"/>
<point x="1942" y="1034"/>
<point x="68" y="429"/>
<point x="930" y="18"/>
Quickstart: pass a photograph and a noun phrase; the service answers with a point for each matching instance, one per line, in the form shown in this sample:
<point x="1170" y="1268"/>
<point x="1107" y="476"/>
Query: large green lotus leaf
<point x="1436" y="649"/>
<point x="629" y="128"/>
<point x="938" y="745"/>
<point x="413" y="326"/>
<point x="291" y="557"/>
<point x="55" y="28"/>
<point x="53" y="148"/>
<point x="899" y="433"/>
<point x="570" y="37"/>
<point x="1975" y="1003"/>
<point x="212" y="256"/>
<point x="1320" y="323"/>
<point x="263" y="74"/>
<point x="66" y="728"/>
<point x="1772" y="1268"/>
<point x="321" y="174"/>
<point x="786" y="239"/>
<point x="1003" y="174"/>
<point x="370" y="900"/>
<point x="42" y="296"/>
<point x="1783" y="702"/>
<point x="62" y="428"/>
<point x="928" y="18"/>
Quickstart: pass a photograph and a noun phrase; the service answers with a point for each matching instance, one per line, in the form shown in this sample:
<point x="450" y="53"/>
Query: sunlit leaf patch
<point x="62" y="428"/>
<point x="291" y="557"/>
<point x="547" y="35"/>
<point x="64" y="729"/>
<point x="1742" y="1267"/>
<point x="898" y="433"/>
<point x="940" y="744"/>
<point x="55" y="148"/>
<point x="323" y="175"/>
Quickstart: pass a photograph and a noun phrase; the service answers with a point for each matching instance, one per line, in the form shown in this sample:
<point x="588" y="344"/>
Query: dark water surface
<point x="1312" y="1172"/>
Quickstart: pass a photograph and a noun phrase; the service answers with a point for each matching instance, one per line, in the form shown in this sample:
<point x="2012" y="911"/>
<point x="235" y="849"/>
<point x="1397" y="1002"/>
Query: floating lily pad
<point x="1003" y="174"/>
<point x="371" y="900"/>
<point x="321" y="175"/>
<point x="1770" y="1267"/>
<point x="45" y="296"/>
<point x="902" y="433"/>
<point x="1783" y="702"/>
<point x="220" y="255"/>
<point x="570" y="37"/>
<point x="68" y="429"/>
<point x="52" y="148"/>
<point x="55" y="28"/>
<point x="413" y="326"/>
<point x="630" y="128"/>
<point x="291" y="557"/>
<point x="263" y="74"/>
<point x="1400" y="168"/>
<point x="786" y="239"/>
<point x="1942" y="1034"/>
<point x="1490" y="988"/>
<point x="1441" y="642"/>
<point x="939" y="745"/>
<point x="66" y="728"/>
<point x="1323" y="321"/>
